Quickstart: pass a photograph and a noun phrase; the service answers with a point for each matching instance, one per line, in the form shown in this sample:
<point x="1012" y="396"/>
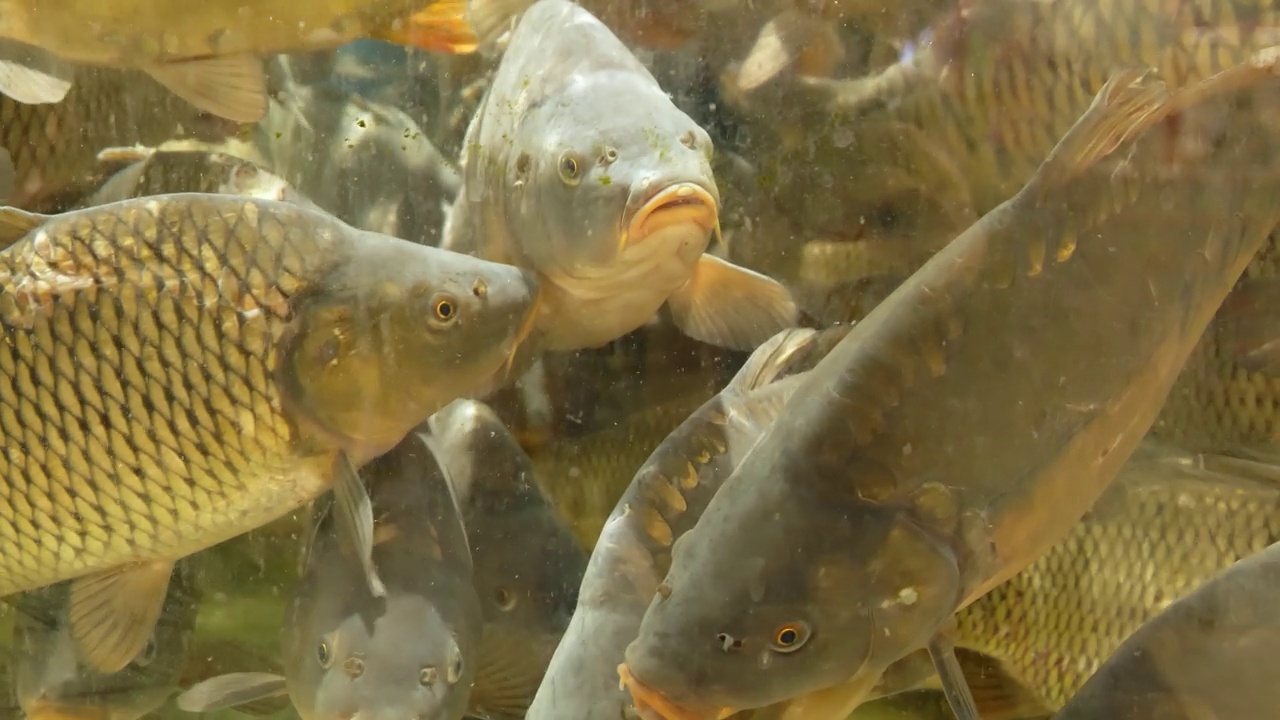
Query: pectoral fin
<point x="31" y="75"/>
<point x="726" y="305"/>
<point x="229" y="86"/>
<point x="997" y="695"/>
<point x="954" y="685"/>
<point x="234" y="690"/>
<point x="15" y="224"/>
<point x="355" y="519"/>
<point x="112" y="614"/>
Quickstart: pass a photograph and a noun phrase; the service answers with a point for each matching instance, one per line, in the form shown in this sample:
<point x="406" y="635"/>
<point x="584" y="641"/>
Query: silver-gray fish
<point x="967" y="423"/>
<point x="410" y="654"/>
<point x="579" y="167"/>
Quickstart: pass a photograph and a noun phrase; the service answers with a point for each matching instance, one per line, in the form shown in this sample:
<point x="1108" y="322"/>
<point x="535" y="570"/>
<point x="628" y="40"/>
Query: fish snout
<point x="510" y="297"/>
<point x="683" y="203"/>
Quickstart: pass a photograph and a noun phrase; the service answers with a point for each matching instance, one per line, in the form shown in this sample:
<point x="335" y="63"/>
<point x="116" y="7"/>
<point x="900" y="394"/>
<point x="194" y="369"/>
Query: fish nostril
<point x="353" y="667"/>
<point x="689" y="140"/>
<point x="728" y="643"/>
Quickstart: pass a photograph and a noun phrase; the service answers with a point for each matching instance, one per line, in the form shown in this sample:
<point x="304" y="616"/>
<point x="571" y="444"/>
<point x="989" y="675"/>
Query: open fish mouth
<point x="653" y="705"/>
<point x="679" y="204"/>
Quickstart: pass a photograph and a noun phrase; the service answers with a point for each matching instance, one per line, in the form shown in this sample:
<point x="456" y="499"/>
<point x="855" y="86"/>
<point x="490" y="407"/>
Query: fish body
<point x="54" y="147"/>
<point x="528" y="564"/>
<point x="50" y="681"/>
<point x="663" y="501"/>
<point x="903" y="512"/>
<point x="207" y="54"/>
<point x="1169" y="523"/>
<point x="579" y="167"/>
<point x="183" y="368"/>
<point x="412" y="654"/>
<point x="1205" y="656"/>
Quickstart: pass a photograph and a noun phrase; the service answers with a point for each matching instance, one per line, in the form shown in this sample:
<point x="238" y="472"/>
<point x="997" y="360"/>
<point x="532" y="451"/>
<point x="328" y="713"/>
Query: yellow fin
<point x="234" y="690"/>
<point x="229" y="86"/>
<point x="15" y="224"/>
<point x="997" y="695"/>
<point x="113" y="613"/>
<point x="441" y="27"/>
<point x="31" y="75"/>
<point x="491" y="18"/>
<point x="730" y="306"/>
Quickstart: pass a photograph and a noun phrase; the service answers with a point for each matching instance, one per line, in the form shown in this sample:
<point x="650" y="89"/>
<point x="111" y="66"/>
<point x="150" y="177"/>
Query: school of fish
<point x="621" y="359"/>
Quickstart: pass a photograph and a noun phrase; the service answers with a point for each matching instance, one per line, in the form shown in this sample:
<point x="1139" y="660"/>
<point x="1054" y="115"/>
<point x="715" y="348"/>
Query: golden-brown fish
<point x="179" y="369"/>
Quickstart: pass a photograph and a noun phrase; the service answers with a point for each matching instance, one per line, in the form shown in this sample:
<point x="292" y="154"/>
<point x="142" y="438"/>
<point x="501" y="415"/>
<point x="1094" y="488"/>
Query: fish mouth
<point x="677" y="204"/>
<point x="653" y="705"/>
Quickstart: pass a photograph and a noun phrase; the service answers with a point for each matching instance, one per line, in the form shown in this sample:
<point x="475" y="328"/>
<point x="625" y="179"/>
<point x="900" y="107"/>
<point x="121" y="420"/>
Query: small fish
<point x="368" y="163"/>
<point x="247" y="356"/>
<point x="580" y="168"/>
<point x="411" y="654"/>
<point x="53" y="148"/>
<point x="1209" y="655"/>
<point x="152" y="171"/>
<point x="1169" y="522"/>
<point x="966" y="424"/>
<point x="663" y="501"/>
<point x="50" y="681"/>
<point x="528" y="564"/>
<point x="209" y="56"/>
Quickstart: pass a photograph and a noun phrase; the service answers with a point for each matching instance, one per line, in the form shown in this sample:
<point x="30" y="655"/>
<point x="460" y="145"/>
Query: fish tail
<point x="441" y="26"/>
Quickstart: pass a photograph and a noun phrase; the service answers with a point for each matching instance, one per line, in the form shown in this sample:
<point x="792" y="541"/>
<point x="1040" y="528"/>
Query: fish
<point x="236" y="375"/>
<point x="366" y="162"/>
<point x="528" y="564"/>
<point x="661" y="503"/>
<point x="49" y="680"/>
<point x="579" y="168"/>
<point x="209" y="56"/>
<point x="413" y="653"/>
<point x="898" y="524"/>
<point x="1170" y="521"/>
<point x="145" y="171"/>
<point x="1205" y="656"/>
<point x="53" y="148"/>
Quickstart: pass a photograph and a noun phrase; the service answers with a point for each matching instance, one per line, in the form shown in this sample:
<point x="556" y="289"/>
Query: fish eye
<point x="569" y="168"/>
<point x="455" y="668"/>
<point x="445" y="309"/>
<point x="505" y="599"/>
<point x="790" y="637"/>
<point x="428" y="676"/>
<point x="323" y="655"/>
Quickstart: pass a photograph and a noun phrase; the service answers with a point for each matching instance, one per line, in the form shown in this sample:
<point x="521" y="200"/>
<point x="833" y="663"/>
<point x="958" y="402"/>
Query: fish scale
<point x="178" y="392"/>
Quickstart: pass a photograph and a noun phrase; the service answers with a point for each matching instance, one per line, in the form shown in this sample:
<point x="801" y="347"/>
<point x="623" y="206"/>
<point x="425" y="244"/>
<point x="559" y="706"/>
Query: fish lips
<point x="670" y="205"/>
<point x="653" y="705"/>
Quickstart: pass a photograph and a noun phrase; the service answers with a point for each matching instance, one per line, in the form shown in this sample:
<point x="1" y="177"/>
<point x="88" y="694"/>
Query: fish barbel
<point x="180" y="369"/>
<point x="902" y="515"/>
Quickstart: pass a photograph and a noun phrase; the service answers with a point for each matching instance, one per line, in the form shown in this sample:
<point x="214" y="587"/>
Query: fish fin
<point x="771" y="360"/>
<point x="954" y="685"/>
<point x="229" y="86"/>
<point x="996" y="694"/>
<point x="441" y="26"/>
<point x="1128" y="103"/>
<point x="730" y="306"/>
<point x="1247" y="325"/>
<point x="112" y="614"/>
<point x="33" y="76"/>
<point x="16" y="223"/>
<point x="510" y="669"/>
<point x="125" y="155"/>
<point x="491" y="18"/>
<point x="355" y="518"/>
<point x="792" y="37"/>
<point x="233" y="690"/>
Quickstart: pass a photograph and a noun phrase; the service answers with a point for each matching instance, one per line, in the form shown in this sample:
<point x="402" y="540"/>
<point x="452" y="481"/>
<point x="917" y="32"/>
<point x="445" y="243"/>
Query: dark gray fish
<point x="968" y="422"/>
<point x="528" y="564"/>
<point x="410" y="654"/>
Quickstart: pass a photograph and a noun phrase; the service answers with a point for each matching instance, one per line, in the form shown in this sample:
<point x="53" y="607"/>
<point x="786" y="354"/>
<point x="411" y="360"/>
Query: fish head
<point x="407" y="663"/>
<point x="761" y="606"/>
<point x="398" y="333"/>
<point x="610" y="176"/>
